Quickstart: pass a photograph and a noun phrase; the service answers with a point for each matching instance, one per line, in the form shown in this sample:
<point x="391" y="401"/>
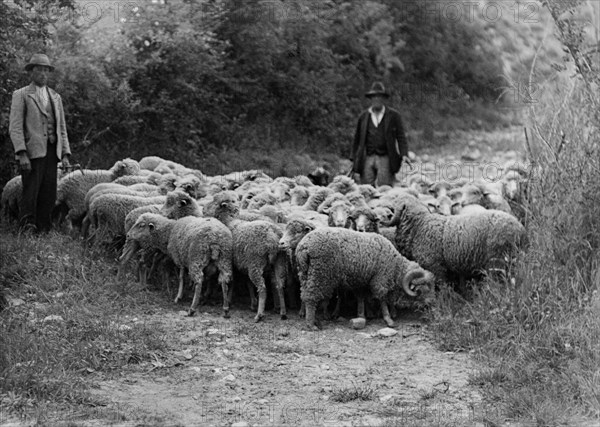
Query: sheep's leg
<point x="225" y="274"/>
<point x="325" y="308"/>
<point x="279" y="277"/>
<point x="253" y="300"/>
<point x="311" y="321"/>
<point x="302" y="311"/>
<point x="180" y="291"/>
<point x="155" y="261"/>
<point x="386" y="314"/>
<point x="361" y="306"/>
<point x="257" y="278"/>
<point x="198" y="277"/>
<point x="338" y="306"/>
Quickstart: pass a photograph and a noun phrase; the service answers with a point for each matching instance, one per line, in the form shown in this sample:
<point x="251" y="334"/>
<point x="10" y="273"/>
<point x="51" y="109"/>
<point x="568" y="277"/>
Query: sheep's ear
<point x="151" y="226"/>
<point x="183" y="203"/>
<point x="431" y="207"/>
<point x="223" y="204"/>
<point x="308" y="228"/>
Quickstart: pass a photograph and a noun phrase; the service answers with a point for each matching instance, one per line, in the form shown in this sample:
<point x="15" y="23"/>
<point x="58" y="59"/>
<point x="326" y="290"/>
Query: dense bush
<point x="187" y="80"/>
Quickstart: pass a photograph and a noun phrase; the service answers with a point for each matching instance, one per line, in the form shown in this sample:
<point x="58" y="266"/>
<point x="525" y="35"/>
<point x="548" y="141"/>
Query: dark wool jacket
<point x="394" y="138"/>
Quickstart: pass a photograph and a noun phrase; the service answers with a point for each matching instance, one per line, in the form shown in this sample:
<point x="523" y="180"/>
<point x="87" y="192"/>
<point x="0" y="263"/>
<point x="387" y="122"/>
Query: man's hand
<point x="24" y="162"/>
<point x="409" y="162"/>
<point x="65" y="162"/>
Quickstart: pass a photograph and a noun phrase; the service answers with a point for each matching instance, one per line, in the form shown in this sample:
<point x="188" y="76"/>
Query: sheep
<point x="484" y="195"/>
<point x="108" y="212"/>
<point x="304" y="181"/>
<point x="192" y="243"/>
<point x="255" y="248"/>
<point x="332" y="258"/>
<point x="179" y="204"/>
<point x="262" y="199"/>
<point x="419" y="182"/>
<point x="369" y="192"/>
<point x="10" y="202"/>
<point x="439" y="188"/>
<point x="319" y="176"/>
<point x="317" y="197"/>
<point x="454" y="247"/>
<point x="109" y="188"/>
<point x="281" y="188"/>
<point x="329" y="201"/>
<point x="356" y="199"/>
<point x="73" y="187"/>
<point x="298" y="195"/>
<point x="343" y="184"/>
<point x="444" y="205"/>
<point x="192" y="185"/>
<point x="364" y="220"/>
<point x="146" y="256"/>
<point x="150" y="162"/>
<point x="339" y="214"/>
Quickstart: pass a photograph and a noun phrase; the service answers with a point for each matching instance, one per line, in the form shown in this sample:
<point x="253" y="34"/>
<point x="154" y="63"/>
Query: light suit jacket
<point x="29" y="123"/>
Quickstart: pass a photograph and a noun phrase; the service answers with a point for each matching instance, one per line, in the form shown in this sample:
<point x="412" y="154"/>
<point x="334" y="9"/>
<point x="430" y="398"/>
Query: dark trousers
<point x="39" y="192"/>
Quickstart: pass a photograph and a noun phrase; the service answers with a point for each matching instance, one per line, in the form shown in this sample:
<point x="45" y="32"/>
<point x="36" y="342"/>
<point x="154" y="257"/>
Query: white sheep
<point x="458" y="247"/>
<point x="333" y="258"/>
<point x="73" y="187"/>
<point x="255" y="248"/>
<point x="192" y="243"/>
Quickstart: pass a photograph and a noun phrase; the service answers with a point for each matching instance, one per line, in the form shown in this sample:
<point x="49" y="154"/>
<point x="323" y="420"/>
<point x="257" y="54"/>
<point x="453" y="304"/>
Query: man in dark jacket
<point x="379" y="142"/>
<point x="39" y="136"/>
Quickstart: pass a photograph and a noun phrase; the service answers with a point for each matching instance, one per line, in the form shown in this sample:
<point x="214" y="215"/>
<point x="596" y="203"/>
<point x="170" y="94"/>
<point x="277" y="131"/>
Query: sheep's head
<point x="299" y="195"/>
<point x="179" y="204"/>
<point x="419" y="283"/>
<point x="319" y="177"/>
<point x="364" y="220"/>
<point x="356" y="199"/>
<point x="294" y="232"/>
<point x="369" y="192"/>
<point x="383" y="213"/>
<point x="439" y="188"/>
<point x="444" y="205"/>
<point x="167" y="183"/>
<point x="343" y="184"/>
<point x="193" y="186"/>
<point x="224" y="204"/>
<point x="125" y="167"/>
<point x="339" y="214"/>
<point x="248" y="196"/>
<point x="419" y="182"/>
<point x="281" y="190"/>
<point x="144" y="227"/>
<point x="262" y="199"/>
<point x="472" y="195"/>
<point x="405" y="210"/>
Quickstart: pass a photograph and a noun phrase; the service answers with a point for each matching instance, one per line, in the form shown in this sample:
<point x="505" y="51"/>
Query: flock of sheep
<point x="309" y="236"/>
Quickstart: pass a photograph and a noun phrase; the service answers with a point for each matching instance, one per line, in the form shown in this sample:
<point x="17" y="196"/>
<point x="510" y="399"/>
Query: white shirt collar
<point x="376" y="117"/>
<point x="42" y="92"/>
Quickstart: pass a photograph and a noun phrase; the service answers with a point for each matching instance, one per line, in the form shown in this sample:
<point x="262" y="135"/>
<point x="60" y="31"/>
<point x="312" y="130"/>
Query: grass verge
<point x="68" y="323"/>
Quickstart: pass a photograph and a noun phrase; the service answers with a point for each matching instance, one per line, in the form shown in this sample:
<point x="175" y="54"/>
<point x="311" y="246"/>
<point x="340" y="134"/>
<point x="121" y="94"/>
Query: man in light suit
<point x="379" y="141"/>
<point x="39" y="136"/>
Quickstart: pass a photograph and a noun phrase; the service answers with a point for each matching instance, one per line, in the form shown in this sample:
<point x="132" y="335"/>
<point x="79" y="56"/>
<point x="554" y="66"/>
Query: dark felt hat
<point x="38" y="59"/>
<point x="377" y="89"/>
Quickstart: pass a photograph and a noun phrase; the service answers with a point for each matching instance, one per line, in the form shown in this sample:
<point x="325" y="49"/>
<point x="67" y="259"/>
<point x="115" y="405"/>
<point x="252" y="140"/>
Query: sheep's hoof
<point x="176" y="300"/>
<point x="258" y="318"/>
<point x="226" y="314"/>
<point x="311" y="327"/>
<point x="191" y="312"/>
<point x="284" y="317"/>
<point x="390" y="323"/>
